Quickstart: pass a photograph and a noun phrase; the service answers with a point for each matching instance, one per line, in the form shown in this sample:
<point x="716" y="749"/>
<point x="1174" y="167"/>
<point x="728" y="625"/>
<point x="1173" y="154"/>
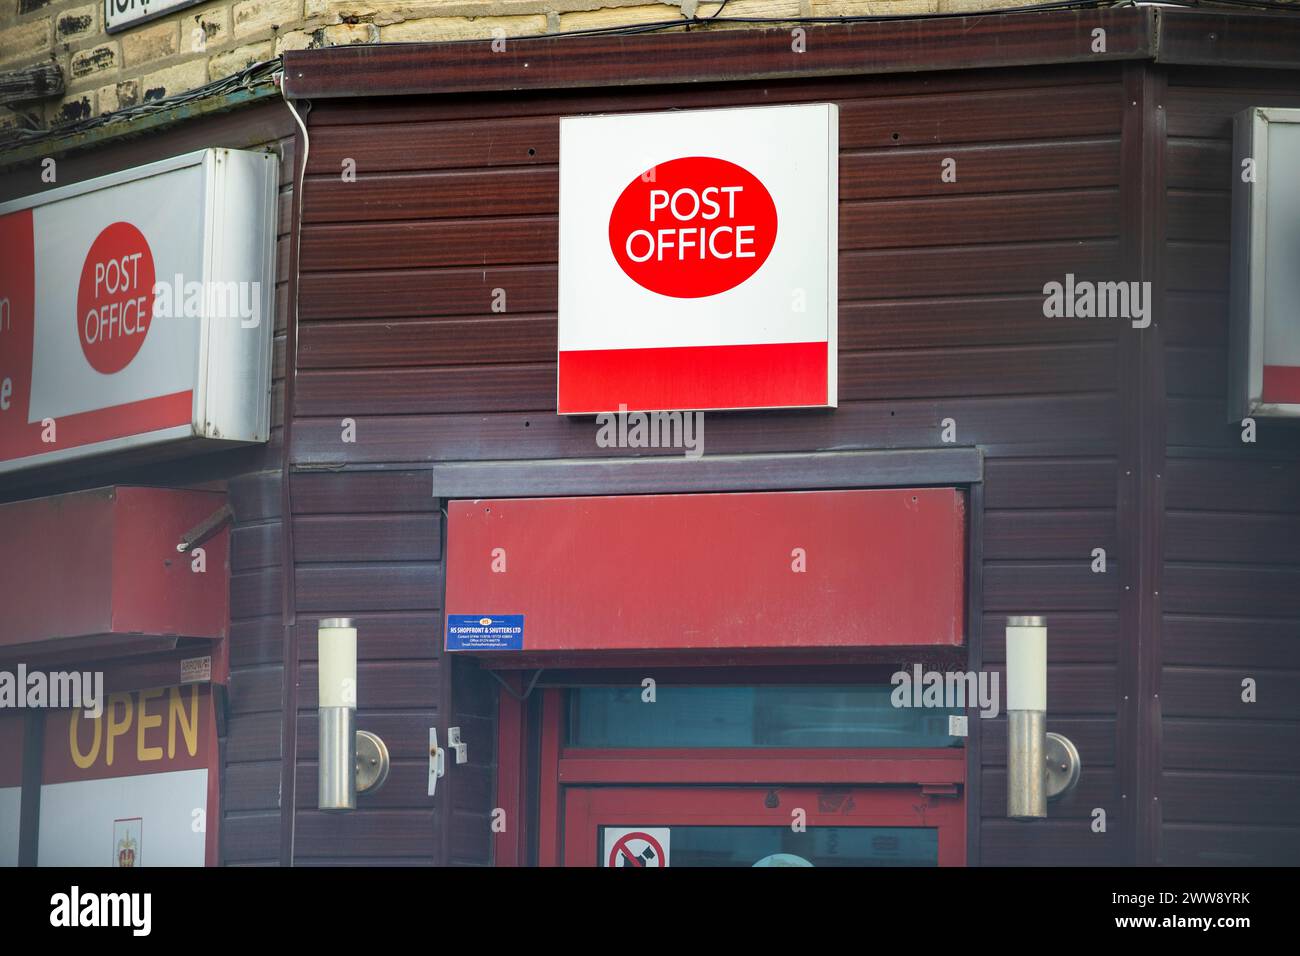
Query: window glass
<point x="804" y="715"/>
<point x="817" y="846"/>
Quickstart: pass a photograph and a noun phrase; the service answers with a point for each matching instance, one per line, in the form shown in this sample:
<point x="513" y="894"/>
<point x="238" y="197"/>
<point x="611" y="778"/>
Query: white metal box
<point x="137" y="309"/>
<point x="1264" y="366"/>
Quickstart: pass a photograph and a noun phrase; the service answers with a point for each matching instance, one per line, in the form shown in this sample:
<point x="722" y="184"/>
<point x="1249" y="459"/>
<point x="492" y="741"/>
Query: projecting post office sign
<point x="136" y="309"/>
<point x="123" y="14"/>
<point x="698" y="260"/>
<point x="1264" y="329"/>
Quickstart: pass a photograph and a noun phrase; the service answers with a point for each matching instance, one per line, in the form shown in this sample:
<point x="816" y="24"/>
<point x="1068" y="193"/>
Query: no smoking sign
<point x="636" y="846"/>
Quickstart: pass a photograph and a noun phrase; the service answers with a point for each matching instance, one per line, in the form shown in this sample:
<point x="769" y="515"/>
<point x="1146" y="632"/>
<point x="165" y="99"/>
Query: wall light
<point x="1041" y="766"/>
<point x="351" y="761"/>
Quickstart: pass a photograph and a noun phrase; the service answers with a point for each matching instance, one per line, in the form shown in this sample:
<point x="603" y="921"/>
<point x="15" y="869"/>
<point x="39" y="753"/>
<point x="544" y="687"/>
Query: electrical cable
<point x="247" y="79"/>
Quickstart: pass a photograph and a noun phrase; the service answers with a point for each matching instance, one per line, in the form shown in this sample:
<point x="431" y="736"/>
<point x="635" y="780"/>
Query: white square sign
<point x="636" y="846"/>
<point x="698" y="260"/>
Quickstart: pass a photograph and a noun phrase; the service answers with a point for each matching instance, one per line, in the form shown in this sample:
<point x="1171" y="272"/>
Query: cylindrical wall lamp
<point x="1026" y="717"/>
<point x="350" y="760"/>
<point x="337" y="658"/>
<point x="1040" y="766"/>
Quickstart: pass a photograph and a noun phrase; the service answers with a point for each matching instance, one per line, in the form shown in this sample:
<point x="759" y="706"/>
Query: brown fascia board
<point x="846" y="48"/>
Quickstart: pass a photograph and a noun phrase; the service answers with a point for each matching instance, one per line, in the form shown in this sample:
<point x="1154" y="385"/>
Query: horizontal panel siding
<point x="1234" y="538"/>
<point x="941" y="318"/>
<point x="1230" y="845"/>
<point x="1228" y="794"/>
<point x="1015" y="586"/>
<point x="1074" y="689"/>
<point x="368" y="587"/>
<point x="920" y="374"/>
<point x="1030" y="483"/>
<point x="930" y="322"/>
<point x="1232" y="590"/>
<point x="250" y="838"/>
<point x="368" y="547"/>
<point x="251" y="773"/>
<point x="863" y="274"/>
<point x="392" y="537"/>
<point x="1046" y="424"/>
<point x="1061" y="842"/>
<point x="1229" y="797"/>
<point x="1077" y="637"/>
<point x="1044" y="534"/>
<point x="1000" y="168"/>
<point x="427" y="342"/>
<point x="1198" y="319"/>
<point x="1264" y="487"/>
<point x="1223" y="692"/>
<point x="382" y="685"/>
<point x="382" y="636"/>
<point x="1242" y="641"/>
<point x="377" y="833"/>
<point x="1230" y="745"/>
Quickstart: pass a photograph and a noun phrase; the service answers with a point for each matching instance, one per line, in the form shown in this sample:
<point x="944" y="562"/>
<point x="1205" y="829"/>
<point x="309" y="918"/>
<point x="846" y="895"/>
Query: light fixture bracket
<point x="1063" y="766"/>
<point x="372" y="762"/>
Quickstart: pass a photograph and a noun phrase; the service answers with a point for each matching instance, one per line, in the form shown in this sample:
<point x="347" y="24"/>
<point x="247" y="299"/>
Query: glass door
<point x="761" y="826"/>
<point x="822" y="768"/>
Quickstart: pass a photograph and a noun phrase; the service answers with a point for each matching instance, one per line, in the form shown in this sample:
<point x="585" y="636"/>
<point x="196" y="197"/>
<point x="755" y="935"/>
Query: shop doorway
<point x="761" y="826"/>
<point x="812" y="767"/>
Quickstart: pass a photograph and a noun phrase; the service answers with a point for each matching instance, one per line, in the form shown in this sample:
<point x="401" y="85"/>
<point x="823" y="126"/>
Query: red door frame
<point x="936" y="775"/>
<point x="588" y="807"/>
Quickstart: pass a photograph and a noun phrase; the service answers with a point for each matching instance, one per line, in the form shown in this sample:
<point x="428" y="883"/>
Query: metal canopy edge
<point x="715" y="473"/>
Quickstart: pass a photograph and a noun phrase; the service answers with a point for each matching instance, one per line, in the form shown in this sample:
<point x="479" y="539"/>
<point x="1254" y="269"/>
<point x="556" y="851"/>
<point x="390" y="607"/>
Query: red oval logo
<point x="693" y="227"/>
<point x="115" y="297"/>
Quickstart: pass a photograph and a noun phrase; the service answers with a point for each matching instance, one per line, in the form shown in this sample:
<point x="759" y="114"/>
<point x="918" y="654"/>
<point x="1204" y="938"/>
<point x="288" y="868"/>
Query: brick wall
<point x="104" y="73"/>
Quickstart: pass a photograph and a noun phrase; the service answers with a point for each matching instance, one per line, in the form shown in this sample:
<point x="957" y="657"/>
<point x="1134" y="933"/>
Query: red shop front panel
<point x="812" y="570"/>
<point x="103" y="564"/>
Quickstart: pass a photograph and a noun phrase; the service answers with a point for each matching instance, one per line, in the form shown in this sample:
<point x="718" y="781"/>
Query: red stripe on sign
<point x="783" y="375"/>
<point x="23" y="440"/>
<point x="1281" y="384"/>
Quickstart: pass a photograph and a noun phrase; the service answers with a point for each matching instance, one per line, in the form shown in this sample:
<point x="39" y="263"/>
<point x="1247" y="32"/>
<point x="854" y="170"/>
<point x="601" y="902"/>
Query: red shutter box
<point x="714" y="571"/>
<point x="103" y="564"/>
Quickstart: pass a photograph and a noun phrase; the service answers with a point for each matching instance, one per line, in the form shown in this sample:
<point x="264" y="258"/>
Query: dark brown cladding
<point x="704" y="56"/>
<point x="940" y="316"/>
<point x="1231" y="554"/>
<point x="889" y="45"/>
<point x="1094" y="434"/>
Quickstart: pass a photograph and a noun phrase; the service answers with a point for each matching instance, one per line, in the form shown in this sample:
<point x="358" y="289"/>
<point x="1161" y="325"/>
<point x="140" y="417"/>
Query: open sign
<point x="693" y="227"/>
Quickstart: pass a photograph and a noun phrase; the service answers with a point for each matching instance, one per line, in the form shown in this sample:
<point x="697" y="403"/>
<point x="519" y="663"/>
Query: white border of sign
<point x="239" y="204"/>
<point x="601" y="153"/>
<point x="1249" y="313"/>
